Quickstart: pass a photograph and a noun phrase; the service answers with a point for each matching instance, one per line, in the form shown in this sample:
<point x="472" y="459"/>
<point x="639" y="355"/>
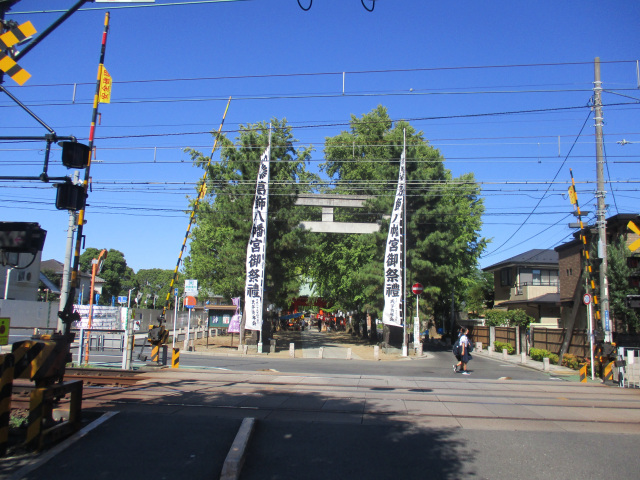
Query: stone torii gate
<point x="328" y="202"/>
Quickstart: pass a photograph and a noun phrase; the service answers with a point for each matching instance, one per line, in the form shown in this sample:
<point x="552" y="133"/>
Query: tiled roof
<point x="535" y="257"/>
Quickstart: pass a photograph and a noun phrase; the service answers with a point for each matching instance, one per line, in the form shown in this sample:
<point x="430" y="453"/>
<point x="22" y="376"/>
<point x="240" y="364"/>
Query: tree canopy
<point x="118" y="277"/>
<point x="219" y="239"/>
<point x="443" y="217"/>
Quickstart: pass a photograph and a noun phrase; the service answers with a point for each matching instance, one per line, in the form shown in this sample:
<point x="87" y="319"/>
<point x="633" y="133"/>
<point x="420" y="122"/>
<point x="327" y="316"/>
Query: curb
<point x="235" y="458"/>
<point x="531" y="364"/>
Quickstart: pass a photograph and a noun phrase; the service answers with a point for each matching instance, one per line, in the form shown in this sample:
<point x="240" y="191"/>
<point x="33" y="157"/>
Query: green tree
<point x="118" y="277"/>
<point x="444" y="216"/>
<point x="479" y="294"/>
<point x="618" y="273"/>
<point x="154" y="282"/>
<point x="219" y="239"/>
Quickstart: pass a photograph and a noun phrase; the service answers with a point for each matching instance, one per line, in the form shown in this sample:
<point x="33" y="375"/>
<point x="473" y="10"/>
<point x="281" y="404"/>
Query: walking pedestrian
<point x="461" y="352"/>
<point x="465" y="354"/>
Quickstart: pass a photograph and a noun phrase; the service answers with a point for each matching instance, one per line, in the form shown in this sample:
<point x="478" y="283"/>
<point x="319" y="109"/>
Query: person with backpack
<point x="461" y="352"/>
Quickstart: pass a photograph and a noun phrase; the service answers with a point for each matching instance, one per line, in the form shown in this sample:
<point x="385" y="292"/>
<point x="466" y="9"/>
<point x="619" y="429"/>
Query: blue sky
<point x="457" y="70"/>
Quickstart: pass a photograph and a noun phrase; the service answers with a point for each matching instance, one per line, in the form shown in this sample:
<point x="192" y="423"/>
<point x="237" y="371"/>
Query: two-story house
<point x="82" y="292"/>
<point x="529" y="281"/>
<point x="572" y="268"/>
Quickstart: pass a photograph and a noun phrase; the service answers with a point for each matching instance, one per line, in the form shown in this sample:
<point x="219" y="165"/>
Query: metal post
<point x="186" y="340"/>
<point x="405" y="347"/>
<point x="126" y="357"/>
<point x="175" y="317"/>
<point x="590" y="318"/>
<point x="602" y="208"/>
<point x="6" y="283"/>
<point x="416" y="326"/>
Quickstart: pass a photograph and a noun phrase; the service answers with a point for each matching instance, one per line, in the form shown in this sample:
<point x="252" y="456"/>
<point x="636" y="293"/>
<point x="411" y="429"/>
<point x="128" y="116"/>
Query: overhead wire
<point x="496" y="250"/>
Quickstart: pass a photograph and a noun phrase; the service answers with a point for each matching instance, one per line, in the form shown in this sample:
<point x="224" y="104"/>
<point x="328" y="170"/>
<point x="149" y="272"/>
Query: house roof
<point x="48" y="283"/>
<point x="58" y="268"/>
<point x="537" y="257"/>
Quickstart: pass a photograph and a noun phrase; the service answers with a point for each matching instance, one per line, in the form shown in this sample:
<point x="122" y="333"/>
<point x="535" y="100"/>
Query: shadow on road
<point x="299" y="434"/>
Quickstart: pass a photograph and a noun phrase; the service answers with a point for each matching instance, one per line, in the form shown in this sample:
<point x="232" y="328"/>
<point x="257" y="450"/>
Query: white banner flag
<point x="392" y="257"/>
<point x="257" y="248"/>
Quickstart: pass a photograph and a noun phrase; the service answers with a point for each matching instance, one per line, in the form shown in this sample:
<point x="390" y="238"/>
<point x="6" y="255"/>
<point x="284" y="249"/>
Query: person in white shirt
<point x="465" y="354"/>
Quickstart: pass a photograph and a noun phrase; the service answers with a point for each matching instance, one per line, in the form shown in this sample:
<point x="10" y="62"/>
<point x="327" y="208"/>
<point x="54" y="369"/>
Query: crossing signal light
<point x="21" y="237"/>
<point x="75" y="155"/>
<point x="70" y="196"/>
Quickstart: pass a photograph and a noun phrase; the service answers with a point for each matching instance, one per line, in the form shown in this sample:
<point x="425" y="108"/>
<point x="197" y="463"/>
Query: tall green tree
<point x="443" y="215"/>
<point x="118" y="277"/>
<point x="618" y="273"/>
<point x="219" y="239"/>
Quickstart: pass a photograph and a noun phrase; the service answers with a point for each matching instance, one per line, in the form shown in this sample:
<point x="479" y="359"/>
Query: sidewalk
<point x="307" y="344"/>
<point x="556" y="370"/>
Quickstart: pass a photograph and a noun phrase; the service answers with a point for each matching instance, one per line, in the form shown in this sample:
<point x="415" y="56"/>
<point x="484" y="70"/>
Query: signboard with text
<point x="191" y="287"/>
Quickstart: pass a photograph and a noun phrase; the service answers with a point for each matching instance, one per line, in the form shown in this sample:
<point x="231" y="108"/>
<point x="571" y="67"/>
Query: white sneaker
<point x="466" y="373"/>
<point x="455" y="369"/>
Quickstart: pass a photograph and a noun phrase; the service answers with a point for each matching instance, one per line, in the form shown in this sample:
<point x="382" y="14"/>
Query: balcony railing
<point x="525" y="291"/>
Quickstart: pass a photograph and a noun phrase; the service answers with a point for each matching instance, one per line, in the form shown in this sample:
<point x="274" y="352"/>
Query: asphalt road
<point x="359" y="419"/>
<point x="436" y="363"/>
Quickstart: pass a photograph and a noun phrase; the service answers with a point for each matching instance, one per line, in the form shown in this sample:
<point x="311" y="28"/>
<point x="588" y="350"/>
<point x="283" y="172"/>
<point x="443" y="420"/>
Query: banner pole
<point x="405" y="346"/>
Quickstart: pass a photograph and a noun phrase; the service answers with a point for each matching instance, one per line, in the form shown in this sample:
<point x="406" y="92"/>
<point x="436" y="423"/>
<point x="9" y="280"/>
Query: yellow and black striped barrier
<point x="583" y="373"/>
<point x="608" y="372"/>
<point x="40" y="408"/>
<point x="175" y="358"/>
<point x="6" y="389"/>
<point x="41" y="360"/>
<point x="155" y="353"/>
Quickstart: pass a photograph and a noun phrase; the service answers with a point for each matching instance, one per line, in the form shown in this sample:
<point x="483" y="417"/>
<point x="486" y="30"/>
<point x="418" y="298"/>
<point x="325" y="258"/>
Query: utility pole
<point x="602" y="209"/>
<point x="66" y="273"/>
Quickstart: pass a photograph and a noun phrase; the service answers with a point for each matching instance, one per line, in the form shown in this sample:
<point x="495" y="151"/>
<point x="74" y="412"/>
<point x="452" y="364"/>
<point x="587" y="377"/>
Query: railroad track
<point x="104" y="376"/>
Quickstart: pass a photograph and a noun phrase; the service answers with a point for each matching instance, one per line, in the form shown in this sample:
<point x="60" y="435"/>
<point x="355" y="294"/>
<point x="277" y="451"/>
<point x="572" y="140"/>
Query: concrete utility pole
<point x="66" y="272"/>
<point x="601" y="213"/>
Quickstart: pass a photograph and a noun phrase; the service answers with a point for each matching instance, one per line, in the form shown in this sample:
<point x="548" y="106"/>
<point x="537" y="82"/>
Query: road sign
<point x="122" y="299"/>
<point x="176" y="291"/>
<point x="635" y="245"/>
<point x="586" y="299"/>
<point x="189" y="302"/>
<point x="9" y="39"/>
<point x="4" y="330"/>
<point x="417" y="288"/>
<point x="191" y="287"/>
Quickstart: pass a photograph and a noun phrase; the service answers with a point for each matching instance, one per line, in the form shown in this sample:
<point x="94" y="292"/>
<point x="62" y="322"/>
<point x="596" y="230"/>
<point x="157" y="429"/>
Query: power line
<point x="114" y="7"/>
<point x="493" y="252"/>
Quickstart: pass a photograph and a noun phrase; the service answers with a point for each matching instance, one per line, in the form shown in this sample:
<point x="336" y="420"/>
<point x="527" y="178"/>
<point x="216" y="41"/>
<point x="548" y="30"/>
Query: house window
<point x="505" y="277"/>
<point x="536" y="275"/>
<point x="24" y="276"/>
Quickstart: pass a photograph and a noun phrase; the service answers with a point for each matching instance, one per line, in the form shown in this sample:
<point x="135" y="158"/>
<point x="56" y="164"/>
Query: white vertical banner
<point x="393" y="255"/>
<point x="257" y="248"/>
